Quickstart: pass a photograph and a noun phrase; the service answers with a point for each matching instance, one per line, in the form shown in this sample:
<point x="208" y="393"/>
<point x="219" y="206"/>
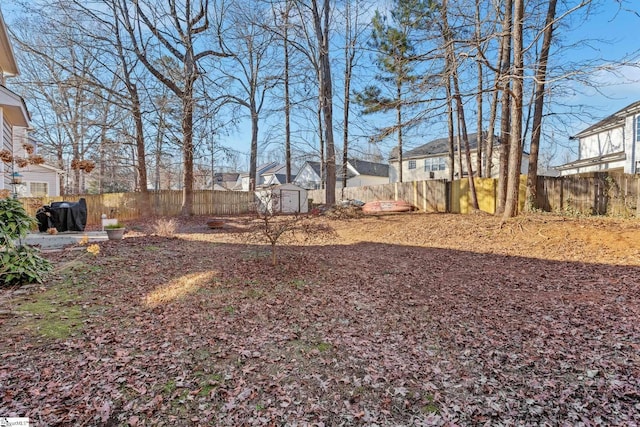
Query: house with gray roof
<point x="359" y="173"/>
<point x="610" y="145"/>
<point x="431" y="160"/>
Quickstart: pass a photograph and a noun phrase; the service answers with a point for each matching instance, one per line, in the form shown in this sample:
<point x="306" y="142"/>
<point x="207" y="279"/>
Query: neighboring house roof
<point x="14" y="107"/>
<point x="51" y="168"/>
<point x="226" y="176"/>
<point x="282" y="178"/>
<point x="8" y="64"/>
<point x="613" y="121"/>
<point x="272" y="167"/>
<point x="226" y="180"/>
<point x="315" y="166"/>
<point x="612" y="157"/>
<point x="436" y="147"/>
<point x="369" y="168"/>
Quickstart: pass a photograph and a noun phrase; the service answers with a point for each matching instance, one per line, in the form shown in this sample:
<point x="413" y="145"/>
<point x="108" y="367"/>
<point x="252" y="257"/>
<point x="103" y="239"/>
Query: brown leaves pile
<point x="337" y="334"/>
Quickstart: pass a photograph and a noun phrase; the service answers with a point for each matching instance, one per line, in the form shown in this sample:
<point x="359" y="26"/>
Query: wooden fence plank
<point x="610" y="194"/>
<point x="126" y="206"/>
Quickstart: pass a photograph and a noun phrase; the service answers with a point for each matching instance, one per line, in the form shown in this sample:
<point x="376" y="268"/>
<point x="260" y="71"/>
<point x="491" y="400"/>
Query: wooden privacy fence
<point x="601" y="194"/>
<point x="429" y="196"/>
<point x="126" y="206"/>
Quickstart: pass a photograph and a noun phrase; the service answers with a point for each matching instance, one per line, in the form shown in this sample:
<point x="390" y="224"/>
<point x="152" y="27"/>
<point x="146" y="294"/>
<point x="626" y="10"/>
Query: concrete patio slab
<point x="67" y="238"/>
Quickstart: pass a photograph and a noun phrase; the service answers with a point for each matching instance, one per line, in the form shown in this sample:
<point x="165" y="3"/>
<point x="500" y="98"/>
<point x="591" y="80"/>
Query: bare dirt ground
<point x="412" y="319"/>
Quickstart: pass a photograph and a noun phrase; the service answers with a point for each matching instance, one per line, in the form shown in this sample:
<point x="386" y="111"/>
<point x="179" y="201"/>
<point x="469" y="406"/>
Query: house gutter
<point x="593" y="161"/>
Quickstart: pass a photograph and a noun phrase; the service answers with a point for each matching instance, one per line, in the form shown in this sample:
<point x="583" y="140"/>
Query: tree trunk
<point x="541" y="75"/>
<point x="187" y="152"/>
<point x="452" y="68"/>
<point x="61" y="166"/>
<point x="321" y="24"/>
<point x="323" y="169"/>
<point x="287" y="100"/>
<point x="494" y="108"/>
<point x="253" y="179"/>
<point x="141" y="152"/>
<point x="452" y="150"/>
<point x="349" y="53"/>
<point x="501" y="192"/>
<point x="479" y="133"/>
<point x="515" y="145"/>
<point x="399" y="125"/>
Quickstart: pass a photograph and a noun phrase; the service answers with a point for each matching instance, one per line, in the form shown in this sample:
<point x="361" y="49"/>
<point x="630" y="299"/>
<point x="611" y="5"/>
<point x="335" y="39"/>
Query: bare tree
<point x="319" y="53"/>
<point x="252" y="58"/>
<point x="353" y="31"/>
<point x="174" y="29"/>
<point x="56" y="75"/>
<point x="515" y="140"/>
<point x="505" y="104"/>
<point x="452" y="72"/>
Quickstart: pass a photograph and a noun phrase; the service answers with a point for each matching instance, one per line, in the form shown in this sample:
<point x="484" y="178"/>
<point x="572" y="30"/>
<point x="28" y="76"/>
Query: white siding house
<point x="29" y="180"/>
<point x="309" y="176"/>
<point x="611" y="145"/>
<point x="431" y="161"/>
<point x="359" y="173"/>
<point x="266" y="175"/>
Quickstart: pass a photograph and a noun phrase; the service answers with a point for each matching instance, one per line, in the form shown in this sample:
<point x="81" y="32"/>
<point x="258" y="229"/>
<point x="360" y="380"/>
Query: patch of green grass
<point x="255" y="293"/>
<point x="55" y="313"/>
<point x="209" y="383"/>
<point x="58" y="324"/>
<point x="305" y="346"/>
<point x="206" y="390"/>
<point x="431" y="407"/>
<point x="255" y="254"/>
<point x="323" y="346"/>
<point x="229" y="309"/>
<point x="299" y="284"/>
<point x="169" y="387"/>
<point x="152" y="248"/>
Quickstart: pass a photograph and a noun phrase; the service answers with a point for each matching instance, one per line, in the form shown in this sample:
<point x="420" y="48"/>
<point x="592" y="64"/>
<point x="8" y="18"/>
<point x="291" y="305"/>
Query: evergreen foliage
<point x="19" y="263"/>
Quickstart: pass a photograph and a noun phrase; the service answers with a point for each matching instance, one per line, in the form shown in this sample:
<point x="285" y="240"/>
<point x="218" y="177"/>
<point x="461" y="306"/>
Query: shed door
<point x="289" y="201"/>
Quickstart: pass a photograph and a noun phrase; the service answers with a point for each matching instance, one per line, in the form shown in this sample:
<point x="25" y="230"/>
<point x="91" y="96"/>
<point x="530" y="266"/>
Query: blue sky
<point x="611" y="34"/>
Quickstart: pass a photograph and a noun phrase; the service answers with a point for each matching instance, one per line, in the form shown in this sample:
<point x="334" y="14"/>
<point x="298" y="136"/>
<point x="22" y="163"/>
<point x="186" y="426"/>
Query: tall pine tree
<point x="396" y="60"/>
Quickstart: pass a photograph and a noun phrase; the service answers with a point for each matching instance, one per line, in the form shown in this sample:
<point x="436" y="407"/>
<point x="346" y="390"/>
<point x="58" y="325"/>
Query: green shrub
<point x="20" y="263"/>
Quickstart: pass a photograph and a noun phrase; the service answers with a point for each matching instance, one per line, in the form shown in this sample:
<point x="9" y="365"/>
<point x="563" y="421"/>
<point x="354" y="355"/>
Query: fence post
<point x="424" y="196"/>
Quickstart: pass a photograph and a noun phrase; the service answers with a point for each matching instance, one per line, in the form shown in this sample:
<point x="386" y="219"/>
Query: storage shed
<point x="283" y="198"/>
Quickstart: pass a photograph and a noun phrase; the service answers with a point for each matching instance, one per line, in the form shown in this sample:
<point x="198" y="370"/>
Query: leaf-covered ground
<point x="393" y="321"/>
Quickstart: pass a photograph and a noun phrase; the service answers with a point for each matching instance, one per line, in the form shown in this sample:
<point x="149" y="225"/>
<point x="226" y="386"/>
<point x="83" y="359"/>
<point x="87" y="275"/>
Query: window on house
<point x="39" y="189"/>
<point x="637" y="128"/>
<point x="434" y="164"/>
<point x="412" y="164"/>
